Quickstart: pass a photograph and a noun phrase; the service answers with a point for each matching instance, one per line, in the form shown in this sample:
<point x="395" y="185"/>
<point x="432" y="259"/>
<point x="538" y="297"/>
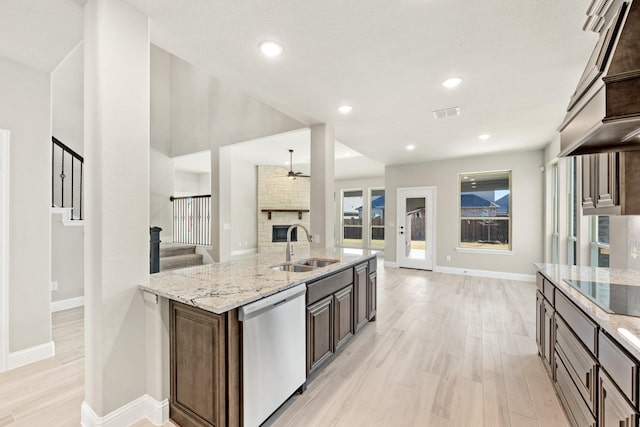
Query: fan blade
<point x="302" y="175"/>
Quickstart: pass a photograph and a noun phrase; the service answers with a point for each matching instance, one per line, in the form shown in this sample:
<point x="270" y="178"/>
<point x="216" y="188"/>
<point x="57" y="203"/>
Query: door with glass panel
<point x="415" y="238"/>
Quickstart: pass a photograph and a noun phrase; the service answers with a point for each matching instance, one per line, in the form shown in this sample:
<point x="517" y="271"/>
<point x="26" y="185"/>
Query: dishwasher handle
<point x="254" y="309"/>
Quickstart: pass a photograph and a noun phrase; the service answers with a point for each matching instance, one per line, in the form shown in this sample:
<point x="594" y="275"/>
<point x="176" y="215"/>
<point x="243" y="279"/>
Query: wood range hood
<point x="604" y="112"/>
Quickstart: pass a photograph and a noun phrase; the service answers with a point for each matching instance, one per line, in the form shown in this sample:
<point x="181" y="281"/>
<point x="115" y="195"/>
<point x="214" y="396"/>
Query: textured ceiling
<point x="519" y="60"/>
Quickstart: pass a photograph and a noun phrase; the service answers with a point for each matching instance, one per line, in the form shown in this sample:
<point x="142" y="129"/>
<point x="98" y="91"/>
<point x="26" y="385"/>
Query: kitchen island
<point x="591" y="352"/>
<point x="206" y="335"/>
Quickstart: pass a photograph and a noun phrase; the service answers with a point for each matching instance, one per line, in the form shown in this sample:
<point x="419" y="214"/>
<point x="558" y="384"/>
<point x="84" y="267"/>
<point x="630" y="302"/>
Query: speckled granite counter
<point x="625" y="329"/>
<point x="222" y="287"/>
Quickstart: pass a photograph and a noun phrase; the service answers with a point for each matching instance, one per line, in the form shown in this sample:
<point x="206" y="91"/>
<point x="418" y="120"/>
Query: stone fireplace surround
<point x="277" y="191"/>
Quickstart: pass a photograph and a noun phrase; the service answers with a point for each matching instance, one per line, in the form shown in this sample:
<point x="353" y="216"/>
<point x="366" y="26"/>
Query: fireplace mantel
<point x="299" y="211"/>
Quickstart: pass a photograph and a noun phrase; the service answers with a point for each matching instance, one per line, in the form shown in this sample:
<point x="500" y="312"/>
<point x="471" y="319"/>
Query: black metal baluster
<point x="72" y="173"/>
<point x="81" y="186"/>
<point x="62" y="178"/>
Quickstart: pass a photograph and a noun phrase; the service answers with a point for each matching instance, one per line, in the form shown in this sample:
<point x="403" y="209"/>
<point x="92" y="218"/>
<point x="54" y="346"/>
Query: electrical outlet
<point x="448" y="258"/>
<point x="316" y="238"/>
<point x="54" y="286"/>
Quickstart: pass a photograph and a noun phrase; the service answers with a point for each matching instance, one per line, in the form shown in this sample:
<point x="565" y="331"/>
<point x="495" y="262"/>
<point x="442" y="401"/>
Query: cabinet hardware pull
<point x="587" y="379"/>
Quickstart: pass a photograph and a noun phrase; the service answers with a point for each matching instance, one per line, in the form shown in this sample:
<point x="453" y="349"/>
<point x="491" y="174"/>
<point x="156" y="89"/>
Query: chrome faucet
<point x="289" y="246"/>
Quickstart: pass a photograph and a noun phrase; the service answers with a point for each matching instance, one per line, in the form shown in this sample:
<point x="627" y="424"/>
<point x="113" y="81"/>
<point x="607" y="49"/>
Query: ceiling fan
<point x="292" y="174"/>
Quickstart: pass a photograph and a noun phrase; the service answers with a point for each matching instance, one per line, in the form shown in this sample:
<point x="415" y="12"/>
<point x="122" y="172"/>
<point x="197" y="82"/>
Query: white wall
<point x="161" y="189"/>
<point x="117" y="86"/>
<point x="244" y="206"/>
<point x="355" y="184"/>
<point x="191" y="184"/>
<point x="67" y="101"/>
<point x="527" y="208"/>
<point x="67" y="259"/>
<point x="25" y="110"/>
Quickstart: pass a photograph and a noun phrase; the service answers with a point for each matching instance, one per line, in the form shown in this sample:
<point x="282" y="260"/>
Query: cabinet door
<point x="372" y="298"/>
<point x="588" y="178"/>
<point x="343" y="321"/>
<point x="607" y="175"/>
<point x="614" y="410"/>
<point x="360" y="290"/>
<point x="319" y="332"/>
<point x="540" y="322"/>
<point x="198" y="384"/>
<point x="548" y="338"/>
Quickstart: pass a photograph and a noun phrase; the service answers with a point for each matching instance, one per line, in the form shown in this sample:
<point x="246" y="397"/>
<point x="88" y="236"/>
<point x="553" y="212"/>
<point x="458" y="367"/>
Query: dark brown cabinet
<point x="360" y="292"/>
<point x="320" y="332"/>
<point x="372" y="290"/>
<point x="608" y="180"/>
<point x="343" y="319"/>
<point x="614" y="409"/>
<point x="204" y="389"/>
<point x="547" y="336"/>
<point x="337" y="306"/>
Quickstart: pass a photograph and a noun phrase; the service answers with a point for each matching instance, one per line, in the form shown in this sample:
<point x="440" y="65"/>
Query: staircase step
<point x="173" y="249"/>
<point x="180" y="261"/>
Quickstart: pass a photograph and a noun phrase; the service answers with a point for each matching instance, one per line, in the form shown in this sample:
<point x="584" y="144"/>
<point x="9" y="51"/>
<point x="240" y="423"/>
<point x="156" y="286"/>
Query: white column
<point x="322" y="185"/>
<point x="220" y="203"/>
<point x="4" y="248"/>
<point x="116" y="88"/>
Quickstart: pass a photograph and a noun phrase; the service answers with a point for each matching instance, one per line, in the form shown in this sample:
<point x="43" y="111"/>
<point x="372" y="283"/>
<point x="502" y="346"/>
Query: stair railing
<point x="192" y="220"/>
<point x="67" y="174"/>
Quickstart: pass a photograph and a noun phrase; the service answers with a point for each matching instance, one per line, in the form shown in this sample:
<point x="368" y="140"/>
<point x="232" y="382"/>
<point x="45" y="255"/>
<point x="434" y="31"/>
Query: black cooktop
<point x="611" y="297"/>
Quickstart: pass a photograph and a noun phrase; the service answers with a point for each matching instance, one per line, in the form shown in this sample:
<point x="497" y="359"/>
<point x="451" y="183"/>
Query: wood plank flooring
<point x="445" y="351"/>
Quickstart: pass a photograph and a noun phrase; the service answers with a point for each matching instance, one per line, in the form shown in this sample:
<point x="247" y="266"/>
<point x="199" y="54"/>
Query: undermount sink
<point x="317" y="262"/>
<point x="304" y="265"/>
<point x="296" y="268"/>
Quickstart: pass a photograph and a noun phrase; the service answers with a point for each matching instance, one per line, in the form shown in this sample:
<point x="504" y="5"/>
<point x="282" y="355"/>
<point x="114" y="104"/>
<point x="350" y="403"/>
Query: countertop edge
<point x="598" y="315"/>
<point x="322" y="272"/>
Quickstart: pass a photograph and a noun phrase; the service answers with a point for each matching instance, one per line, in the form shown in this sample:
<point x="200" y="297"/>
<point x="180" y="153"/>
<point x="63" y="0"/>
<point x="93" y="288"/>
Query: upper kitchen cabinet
<point x="604" y="112"/>
<point x="610" y="183"/>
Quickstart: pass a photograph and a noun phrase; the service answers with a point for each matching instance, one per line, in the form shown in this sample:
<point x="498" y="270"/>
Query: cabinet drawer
<point x="540" y="282"/>
<point x="549" y="289"/>
<point x="584" y="328"/>
<point x="579" y="363"/>
<point x="613" y="408"/>
<point x="622" y="369"/>
<point x="577" y="410"/>
<point x="373" y="265"/>
<point x="329" y="285"/>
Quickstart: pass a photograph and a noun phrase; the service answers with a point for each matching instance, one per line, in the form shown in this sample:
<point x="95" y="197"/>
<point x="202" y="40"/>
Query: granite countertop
<point x="625" y="329"/>
<point x="224" y="286"/>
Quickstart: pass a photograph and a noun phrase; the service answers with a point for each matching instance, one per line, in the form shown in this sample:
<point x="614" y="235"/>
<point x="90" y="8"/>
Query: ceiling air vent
<point x="446" y="112"/>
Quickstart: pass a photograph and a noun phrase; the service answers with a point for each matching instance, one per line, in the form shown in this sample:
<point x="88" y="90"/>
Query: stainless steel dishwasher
<point x="273" y="352"/>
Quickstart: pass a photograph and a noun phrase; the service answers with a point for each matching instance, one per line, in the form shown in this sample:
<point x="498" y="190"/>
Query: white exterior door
<point x="4" y="248"/>
<point x="416" y="236"/>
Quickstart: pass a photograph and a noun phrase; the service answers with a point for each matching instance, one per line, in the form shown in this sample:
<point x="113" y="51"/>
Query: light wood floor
<point x="445" y="351"/>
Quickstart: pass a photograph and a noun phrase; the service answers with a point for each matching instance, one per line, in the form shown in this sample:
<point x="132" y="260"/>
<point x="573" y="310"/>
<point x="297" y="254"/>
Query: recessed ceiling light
<point x="466" y="177"/>
<point x="452" y="82"/>
<point x="345" y="109"/>
<point x="484" y="136"/>
<point x="473" y="179"/>
<point x="271" y="48"/>
<point x="410" y="147"/>
<point x="347" y="154"/>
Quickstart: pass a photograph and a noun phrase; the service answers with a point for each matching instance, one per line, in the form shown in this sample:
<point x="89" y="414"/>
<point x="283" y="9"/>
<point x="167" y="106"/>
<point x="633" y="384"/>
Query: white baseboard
<point x="486" y="273"/>
<point x="390" y="264"/>
<point x="66" y="304"/>
<point x="244" y="251"/>
<point x="31" y="355"/>
<point x="143" y="407"/>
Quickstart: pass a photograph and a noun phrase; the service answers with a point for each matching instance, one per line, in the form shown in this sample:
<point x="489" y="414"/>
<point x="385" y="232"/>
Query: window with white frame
<point x="352" y="206"/>
<point x="376" y="216"/>
<point x="600" y="241"/>
<point x="572" y="212"/>
<point x="485" y="210"/>
<point x="555" y="214"/>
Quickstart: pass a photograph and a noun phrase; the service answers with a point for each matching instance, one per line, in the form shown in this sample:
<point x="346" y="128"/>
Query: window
<point x="572" y="212"/>
<point x="485" y="210"/>
<point x="600" y="241"/>
<point x="352" y="217"/>
<point x="555" y="214"/>
<point x="376" y="204"/>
